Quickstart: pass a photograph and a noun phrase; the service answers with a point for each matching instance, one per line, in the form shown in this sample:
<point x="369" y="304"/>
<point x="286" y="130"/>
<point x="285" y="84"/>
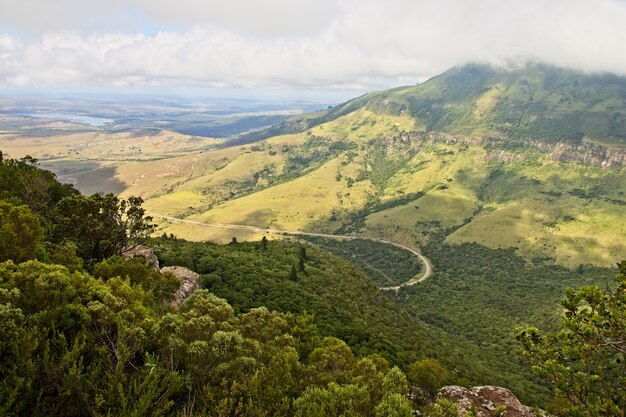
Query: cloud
<point x="349" y="44"/>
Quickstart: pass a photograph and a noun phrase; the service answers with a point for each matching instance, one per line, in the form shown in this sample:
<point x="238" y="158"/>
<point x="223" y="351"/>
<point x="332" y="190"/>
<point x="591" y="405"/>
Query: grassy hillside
<point x="468" y="153"/>
<point x="533" y="101"/>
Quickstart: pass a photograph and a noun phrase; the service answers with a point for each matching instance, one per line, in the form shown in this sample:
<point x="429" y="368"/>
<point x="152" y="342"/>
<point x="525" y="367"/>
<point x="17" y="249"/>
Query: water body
<point x="92" y="121"/>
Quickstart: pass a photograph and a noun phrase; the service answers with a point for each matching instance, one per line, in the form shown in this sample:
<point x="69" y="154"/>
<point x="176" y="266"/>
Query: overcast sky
<point x="293" y="45"/>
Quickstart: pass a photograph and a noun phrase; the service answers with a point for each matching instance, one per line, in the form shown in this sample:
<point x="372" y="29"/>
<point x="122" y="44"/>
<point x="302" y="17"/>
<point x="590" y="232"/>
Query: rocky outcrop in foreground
<point x="487" y="401"/>
<point x="189" y="282"/>
<point x="143" y="252"/>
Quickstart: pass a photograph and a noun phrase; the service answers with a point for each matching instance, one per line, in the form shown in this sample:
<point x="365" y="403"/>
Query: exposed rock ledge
<point x="485" y="401"/>
<point x="144" y="252"/>
<point x="189" y="282"/>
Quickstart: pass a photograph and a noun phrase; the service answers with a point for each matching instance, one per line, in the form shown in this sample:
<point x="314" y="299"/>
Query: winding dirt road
<point x="428" y="269"/>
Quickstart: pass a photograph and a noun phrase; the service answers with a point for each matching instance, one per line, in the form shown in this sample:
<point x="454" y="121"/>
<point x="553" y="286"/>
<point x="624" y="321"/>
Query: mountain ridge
<point x="519" y="102"/>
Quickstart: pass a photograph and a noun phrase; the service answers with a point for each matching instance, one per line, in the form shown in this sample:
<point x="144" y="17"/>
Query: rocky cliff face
<point x="487" y="401"/>
<point x="586" y="153"/>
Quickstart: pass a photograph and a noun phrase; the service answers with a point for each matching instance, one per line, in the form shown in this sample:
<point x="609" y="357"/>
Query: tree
<point x="394" y="405"/>
<point x="428" y="375"/>
<point x="21" y="235"/>
<point x="302" y="258"/>
<point x="586" y="359"/>
<point x="101" y="226"/>
<point x="442" y="408"/>
<point x="33" y="186"/>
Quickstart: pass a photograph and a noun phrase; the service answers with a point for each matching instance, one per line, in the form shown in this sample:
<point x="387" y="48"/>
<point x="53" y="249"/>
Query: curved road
<point x="428" y="271"/>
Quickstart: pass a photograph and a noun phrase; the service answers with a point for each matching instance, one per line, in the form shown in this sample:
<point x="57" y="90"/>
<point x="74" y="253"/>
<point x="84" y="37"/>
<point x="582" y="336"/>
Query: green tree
<point x="160" y="285"/>
<point x="33" y="186"/>
<point x="335" y="400"/>
<point x="21" y="234"/>
<point x="441" y="408"/>
<point x="63" y="254"/>
<point x="428" y="375"/>
<point x="394" y="405"/>
<point x="100" y="226"/>
<point x="395" y="383"/>
<point x="586" y="359"/>
<point x="293" y="273"/>
<point x="302" y="259"/>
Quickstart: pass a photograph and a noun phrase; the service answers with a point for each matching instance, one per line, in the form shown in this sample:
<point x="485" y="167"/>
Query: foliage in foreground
<point x="586" y="359"/>
<point x="43" y="219"/>
<point x="75" y="345"/>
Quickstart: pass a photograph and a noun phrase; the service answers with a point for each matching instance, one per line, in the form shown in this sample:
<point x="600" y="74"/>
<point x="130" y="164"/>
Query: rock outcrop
<point x="487" y="401"/>
<point x="144" y="252"/>
<point x="189" y="282"/>
<point x="585" y="153"/>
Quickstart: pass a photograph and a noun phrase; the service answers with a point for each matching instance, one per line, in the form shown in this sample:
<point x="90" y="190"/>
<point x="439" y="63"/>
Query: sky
<point x="301" y="47"/>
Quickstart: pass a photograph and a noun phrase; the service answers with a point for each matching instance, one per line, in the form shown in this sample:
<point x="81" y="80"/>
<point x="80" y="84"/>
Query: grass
<point x="364" y="124"/>
<point x="568" y="213"/>
<point x="293" y="205"/>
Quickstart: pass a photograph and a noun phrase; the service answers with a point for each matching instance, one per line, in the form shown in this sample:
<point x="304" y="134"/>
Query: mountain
<point x="530" y="159"/>
<point x="536" y="101"/>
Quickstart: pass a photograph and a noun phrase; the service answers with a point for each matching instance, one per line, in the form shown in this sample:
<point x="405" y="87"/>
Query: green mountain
<point x="536" y="101"/>
<point x="530" y="159"/>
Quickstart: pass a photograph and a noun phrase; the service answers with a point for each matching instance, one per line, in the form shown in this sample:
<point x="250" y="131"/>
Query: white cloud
<point x="303" y="44"/>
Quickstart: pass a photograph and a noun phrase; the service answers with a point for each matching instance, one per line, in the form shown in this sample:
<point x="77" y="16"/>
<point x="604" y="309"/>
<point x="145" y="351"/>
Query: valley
<point x="414" y="280"/>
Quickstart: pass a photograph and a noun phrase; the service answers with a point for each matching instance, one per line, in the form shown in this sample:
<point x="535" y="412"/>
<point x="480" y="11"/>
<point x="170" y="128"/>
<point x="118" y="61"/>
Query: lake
<point x="93" y="121"/>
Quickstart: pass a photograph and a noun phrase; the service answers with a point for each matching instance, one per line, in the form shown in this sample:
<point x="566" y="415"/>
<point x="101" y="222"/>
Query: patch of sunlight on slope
<point x="443" y="206"/>
<point x="295" y="205"/>
<point x="450" y="203"/>
<point x="363" y="125"/>
<point x="486" y="102"/>
<point x="558" y="230"/>
<point x="241" y="169"/>
<point x="200" y="233"/>
<point x="436" y="165"/>
<point x="200" y="193"/>
<point x="175" y="204"/>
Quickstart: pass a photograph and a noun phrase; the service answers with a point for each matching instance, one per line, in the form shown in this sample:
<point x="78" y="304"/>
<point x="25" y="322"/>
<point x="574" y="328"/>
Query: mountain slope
<point x="477" y="154"/>
<point x="535" y="101"/>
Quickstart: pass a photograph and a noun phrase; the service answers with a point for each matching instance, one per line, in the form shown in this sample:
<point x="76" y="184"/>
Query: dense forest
<point x="87" y="332"/>
<point x="279" y="328"/>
